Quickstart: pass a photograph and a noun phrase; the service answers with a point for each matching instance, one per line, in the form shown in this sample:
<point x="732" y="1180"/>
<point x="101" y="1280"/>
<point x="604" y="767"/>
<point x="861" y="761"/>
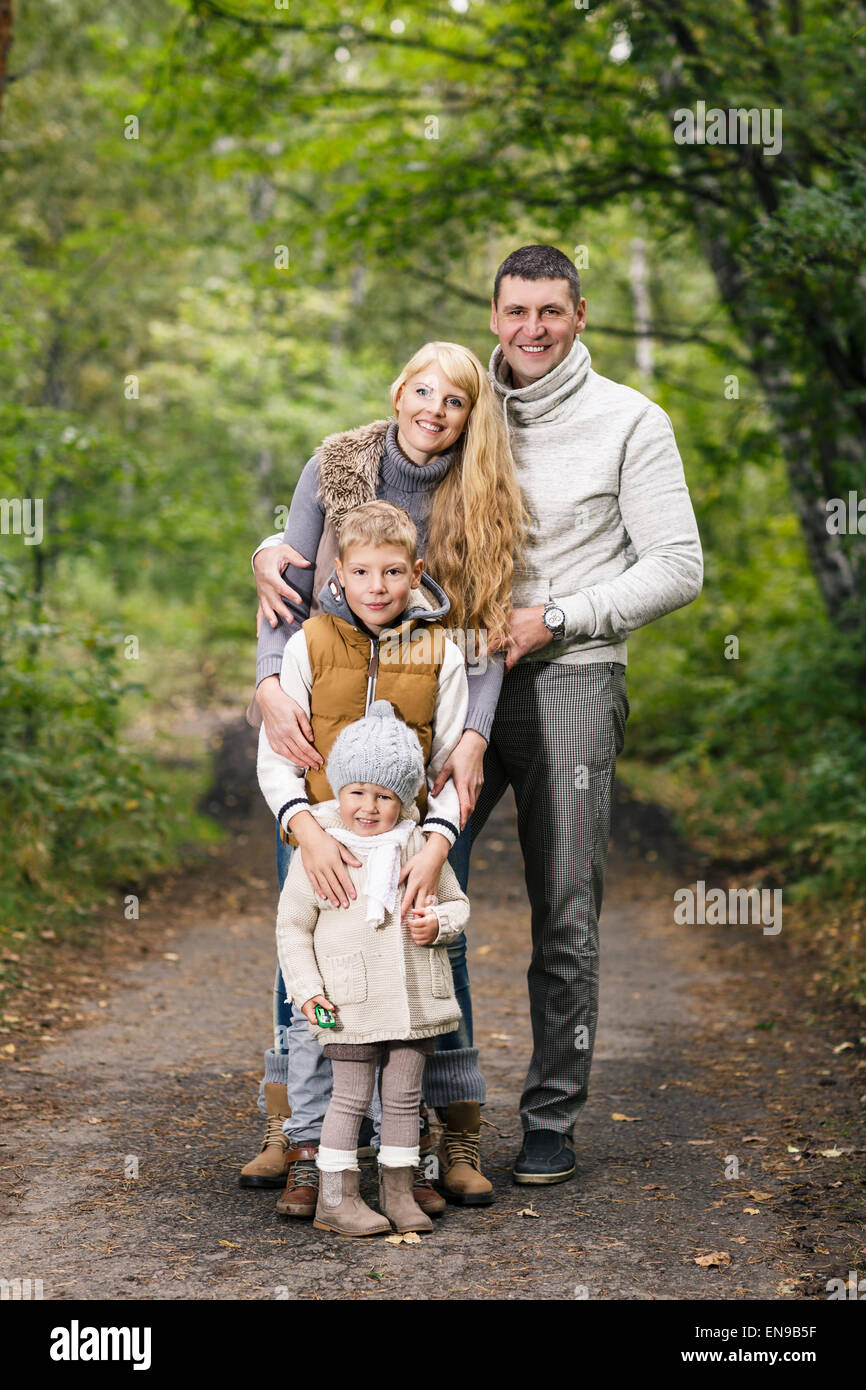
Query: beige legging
<point x="402" y="1068"/>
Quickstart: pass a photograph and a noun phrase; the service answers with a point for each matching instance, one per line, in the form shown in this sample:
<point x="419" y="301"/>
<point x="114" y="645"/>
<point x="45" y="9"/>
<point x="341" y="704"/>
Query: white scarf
<point x="383" y="864"/>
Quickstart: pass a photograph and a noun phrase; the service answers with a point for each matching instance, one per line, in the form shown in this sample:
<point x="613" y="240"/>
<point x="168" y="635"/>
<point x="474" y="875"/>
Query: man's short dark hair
<point x="539" y="263"/>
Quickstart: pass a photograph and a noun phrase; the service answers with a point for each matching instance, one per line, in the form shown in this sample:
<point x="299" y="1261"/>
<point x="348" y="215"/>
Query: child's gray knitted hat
<point x="379" y="748"/>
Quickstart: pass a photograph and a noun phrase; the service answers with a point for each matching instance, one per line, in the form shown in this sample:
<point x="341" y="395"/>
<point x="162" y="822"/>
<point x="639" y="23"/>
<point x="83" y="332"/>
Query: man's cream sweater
<point x="614" y="538"/>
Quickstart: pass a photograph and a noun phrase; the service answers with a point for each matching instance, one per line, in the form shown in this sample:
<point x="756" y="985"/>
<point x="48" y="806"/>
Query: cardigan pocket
<point x="441" y="982"/>
<point x="345" y="978"/>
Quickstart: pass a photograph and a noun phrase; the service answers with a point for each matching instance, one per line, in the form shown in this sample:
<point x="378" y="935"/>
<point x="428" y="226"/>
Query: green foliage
<point x="164" y="379"/>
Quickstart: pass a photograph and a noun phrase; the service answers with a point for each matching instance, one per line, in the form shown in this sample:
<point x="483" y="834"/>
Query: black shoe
<point x="546" y="1157"/>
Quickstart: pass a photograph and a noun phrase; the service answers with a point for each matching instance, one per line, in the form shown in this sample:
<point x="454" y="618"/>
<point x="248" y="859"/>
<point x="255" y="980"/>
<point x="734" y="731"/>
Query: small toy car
<point x="324" y="1017"/>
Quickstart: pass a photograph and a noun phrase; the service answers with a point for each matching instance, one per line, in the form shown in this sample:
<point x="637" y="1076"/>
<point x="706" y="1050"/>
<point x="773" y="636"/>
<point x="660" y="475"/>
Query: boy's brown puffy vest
<point x="405" y="672"/>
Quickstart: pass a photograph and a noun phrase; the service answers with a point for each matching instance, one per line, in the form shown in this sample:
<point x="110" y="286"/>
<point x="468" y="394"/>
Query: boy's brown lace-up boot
<point x="302" y="1182"/>
<point x="268" y="1168"/>
<point x="342" y="1210"/>
<point x="396" y="1200"/>
<point x="460" y="1177"/>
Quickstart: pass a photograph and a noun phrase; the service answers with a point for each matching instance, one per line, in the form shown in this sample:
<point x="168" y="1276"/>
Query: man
<point x="613" y="545"/>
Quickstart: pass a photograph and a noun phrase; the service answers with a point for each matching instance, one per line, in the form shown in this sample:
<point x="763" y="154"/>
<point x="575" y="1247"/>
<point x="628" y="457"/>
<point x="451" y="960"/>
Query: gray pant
<point x="555" y="739"/>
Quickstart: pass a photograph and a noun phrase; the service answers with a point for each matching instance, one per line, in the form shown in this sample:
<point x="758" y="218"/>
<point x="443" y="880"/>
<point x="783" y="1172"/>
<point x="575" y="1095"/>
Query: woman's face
<point x="431" y="414"/>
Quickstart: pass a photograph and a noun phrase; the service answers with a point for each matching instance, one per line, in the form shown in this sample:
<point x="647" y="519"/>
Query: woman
<point x="445" y="458"/>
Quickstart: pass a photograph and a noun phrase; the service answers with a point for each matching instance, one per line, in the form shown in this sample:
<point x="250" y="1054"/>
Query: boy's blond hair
<point x="378" y="523"/>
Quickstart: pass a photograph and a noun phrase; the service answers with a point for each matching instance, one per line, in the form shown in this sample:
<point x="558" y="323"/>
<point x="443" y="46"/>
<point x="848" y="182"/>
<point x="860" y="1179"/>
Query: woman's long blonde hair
<point x="478" y="520"/>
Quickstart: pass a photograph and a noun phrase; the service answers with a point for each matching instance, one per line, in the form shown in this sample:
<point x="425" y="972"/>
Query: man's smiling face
<point x="536" y="322"/>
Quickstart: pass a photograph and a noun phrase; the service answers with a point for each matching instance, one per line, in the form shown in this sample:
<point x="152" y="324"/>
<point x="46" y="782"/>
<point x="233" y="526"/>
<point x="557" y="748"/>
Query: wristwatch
<point x="554" y="621"/>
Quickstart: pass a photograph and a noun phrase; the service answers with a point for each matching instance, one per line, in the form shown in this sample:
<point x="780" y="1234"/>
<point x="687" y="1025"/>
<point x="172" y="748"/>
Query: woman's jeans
<point x="308" y="1079"/>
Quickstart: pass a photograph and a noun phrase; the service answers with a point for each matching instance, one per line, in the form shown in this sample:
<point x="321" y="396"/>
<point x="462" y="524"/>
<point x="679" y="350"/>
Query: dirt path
<point x="706" y="1043"/>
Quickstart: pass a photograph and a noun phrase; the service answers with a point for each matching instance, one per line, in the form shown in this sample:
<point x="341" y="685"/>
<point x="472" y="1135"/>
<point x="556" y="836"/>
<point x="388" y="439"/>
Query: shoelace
<point x="463" y="1147"/>
<point x="274" y="1132"/>
<point x="420" y="1179"/>
<point x="303" y="1173"/>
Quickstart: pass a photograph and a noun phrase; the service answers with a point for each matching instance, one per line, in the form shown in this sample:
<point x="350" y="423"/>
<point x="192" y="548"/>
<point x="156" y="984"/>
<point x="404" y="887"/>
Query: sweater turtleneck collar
<point x="543" y="398"/>
<point x="406" y="476"/>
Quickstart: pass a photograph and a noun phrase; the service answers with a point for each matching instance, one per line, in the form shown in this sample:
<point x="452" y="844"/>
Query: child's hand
<point x="424" y="925"/>
<point x="308" y="1009"/>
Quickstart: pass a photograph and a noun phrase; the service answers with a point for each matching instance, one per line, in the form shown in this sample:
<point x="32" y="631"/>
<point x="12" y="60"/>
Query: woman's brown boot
<point x="340" y="1208"/>
<point x="397" y="1202"/>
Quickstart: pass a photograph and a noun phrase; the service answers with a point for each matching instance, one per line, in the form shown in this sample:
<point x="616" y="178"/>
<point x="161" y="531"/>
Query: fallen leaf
<point x="717" y="1259"/>
<point x="170" y="955"/>
<point x="792" y="1149"/>
<point x="751" y="1211"/>
<point x="407" y="1238"/>
<point x="506" y="1037"/>
<point x="630" y="1119"/>
<point x="10" y="1048"/>
<point x="699" y="1141"/>
<point x="838" y="1183"/>
<point x="738" y="1240"/>
<point x="529" y="1211"/>
<point x="482" y="950"/>
<point x="832" y="1153"/>
<point x="754" y="1139"/>
<point x="760" y="1196"/>
<point x="232" y="1244"/>
<point x="842" y="1047"/>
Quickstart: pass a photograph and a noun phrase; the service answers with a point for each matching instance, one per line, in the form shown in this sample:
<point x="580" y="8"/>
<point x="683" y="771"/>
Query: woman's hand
<point x="268" y="567"/>
<point x="421" y="874"/>
<point x="324" y="860"/>
<point x="424" y="925"/>
<point x="466" y="766"/>
<point x="309" y="1009"/>
<point x="288" y="730"/>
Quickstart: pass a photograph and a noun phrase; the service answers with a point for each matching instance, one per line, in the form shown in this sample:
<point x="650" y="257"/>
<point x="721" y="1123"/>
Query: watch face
<point x="554" y="618"/>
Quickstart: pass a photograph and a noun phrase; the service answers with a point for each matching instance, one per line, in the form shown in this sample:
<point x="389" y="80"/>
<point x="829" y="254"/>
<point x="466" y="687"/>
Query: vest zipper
<point x="372" y="673"/>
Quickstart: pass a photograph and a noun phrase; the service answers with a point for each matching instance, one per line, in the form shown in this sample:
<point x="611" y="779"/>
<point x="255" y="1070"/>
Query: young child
<point x="388" y="986"/>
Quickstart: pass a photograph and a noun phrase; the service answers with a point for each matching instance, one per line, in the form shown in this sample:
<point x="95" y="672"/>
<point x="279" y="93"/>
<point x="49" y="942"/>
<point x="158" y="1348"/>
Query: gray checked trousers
<point x="555" y="739"/>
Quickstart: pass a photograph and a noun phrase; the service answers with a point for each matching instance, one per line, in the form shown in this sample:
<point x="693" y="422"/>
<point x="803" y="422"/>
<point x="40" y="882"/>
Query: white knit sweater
<point x="382" y="984"/>
<point x="613" y="538"/>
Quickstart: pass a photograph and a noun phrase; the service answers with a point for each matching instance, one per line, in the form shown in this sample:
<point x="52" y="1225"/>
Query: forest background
<point x="224" y="228"/>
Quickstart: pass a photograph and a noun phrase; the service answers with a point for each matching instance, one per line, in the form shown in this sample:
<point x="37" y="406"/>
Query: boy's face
<point x="377" y="580"/>
<point x="368" y="809"/>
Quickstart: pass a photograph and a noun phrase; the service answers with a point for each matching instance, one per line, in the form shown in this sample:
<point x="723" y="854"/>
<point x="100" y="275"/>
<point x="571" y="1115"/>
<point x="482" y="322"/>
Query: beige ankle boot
<point x="268" y="1168"/>
<point x="397" y="1202"/>
<point x="340" y="1209"/>
<point x="460" y="1177"/>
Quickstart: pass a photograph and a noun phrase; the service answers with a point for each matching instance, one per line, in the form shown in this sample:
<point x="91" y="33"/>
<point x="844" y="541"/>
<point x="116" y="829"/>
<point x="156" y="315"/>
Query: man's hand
<point x="288" y="730"/>
<point x="268" y="566"/>
<point x="421" y="874"/>
<point x="528" y="633"/>
<point x="466" y="766"/>
<point x="424" y="925"/>
<point x="308" y="1009"/>
<point x="324" y="860"/>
